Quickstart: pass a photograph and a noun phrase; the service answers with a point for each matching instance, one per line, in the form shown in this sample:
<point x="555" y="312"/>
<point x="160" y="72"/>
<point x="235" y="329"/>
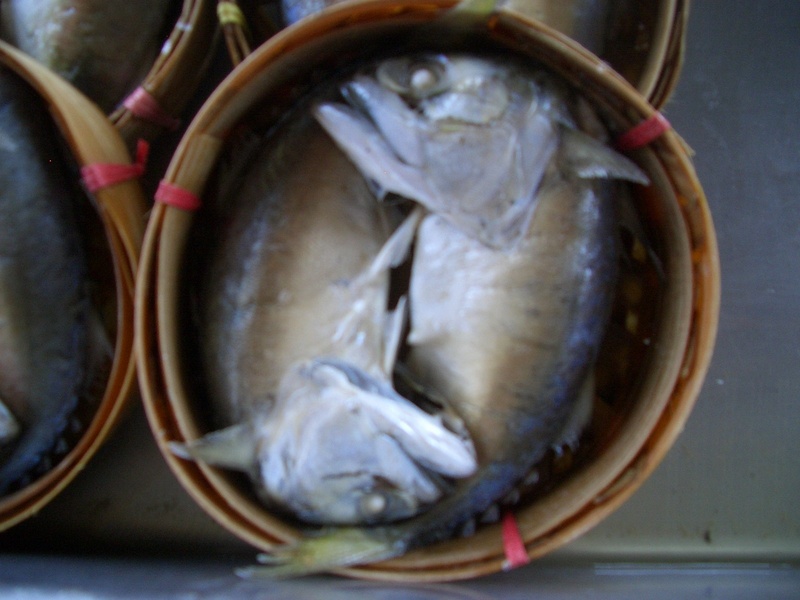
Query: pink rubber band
<point x="98" y="176"/>
<point x="172" y="195"/>
<point x="514" y="547"/>
<point x="644" y="133"/>
<point x="142" y="104"/>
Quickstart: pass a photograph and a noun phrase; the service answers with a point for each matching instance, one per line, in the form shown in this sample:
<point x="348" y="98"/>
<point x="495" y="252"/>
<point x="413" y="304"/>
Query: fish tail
<point x="336" y="549"/>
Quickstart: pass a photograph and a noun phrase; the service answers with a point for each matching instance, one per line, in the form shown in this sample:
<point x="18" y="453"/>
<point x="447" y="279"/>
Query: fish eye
<point x="414" y="77"/>
<point x="373" y="505"/>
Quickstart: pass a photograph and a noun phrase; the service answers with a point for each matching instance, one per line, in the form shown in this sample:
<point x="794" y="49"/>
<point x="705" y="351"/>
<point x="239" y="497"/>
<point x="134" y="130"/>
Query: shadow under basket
<point x="656" y="349"/>
<point x="114" y="231"/>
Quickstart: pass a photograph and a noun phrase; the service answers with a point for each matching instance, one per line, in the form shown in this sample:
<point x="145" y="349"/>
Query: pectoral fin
<point x="589" y="158"/>
<point x="230" y="448"/>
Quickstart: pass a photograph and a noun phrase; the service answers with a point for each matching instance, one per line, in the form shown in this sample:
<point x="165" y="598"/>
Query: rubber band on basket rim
<point x="642" y="134"/>
<point x="101" y="175"/>
<point x="173" y="195"/>
<point x="229" y="13"/>
<point x="513" y="545"/>
<point x="143" y="105"/>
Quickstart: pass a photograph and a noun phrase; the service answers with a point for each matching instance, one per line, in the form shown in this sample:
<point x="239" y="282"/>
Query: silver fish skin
<point x="300" y="346"/>
<point x="504" y="327"/>
<point x="44" y="308"/>
<point x="104" y="48"/>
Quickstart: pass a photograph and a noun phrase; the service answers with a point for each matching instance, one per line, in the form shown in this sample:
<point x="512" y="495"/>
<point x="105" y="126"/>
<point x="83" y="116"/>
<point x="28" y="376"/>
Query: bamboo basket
<point x="655" y="354"/>
<point x="643" y="39"/>
<point x="91" y="139"/>
<point x="177" y="72"/>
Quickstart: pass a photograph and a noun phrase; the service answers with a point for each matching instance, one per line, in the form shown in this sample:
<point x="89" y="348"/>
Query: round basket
<point x="656" y="350"/>
<point x="174" y="77"/>
<point x="115" y="245"/>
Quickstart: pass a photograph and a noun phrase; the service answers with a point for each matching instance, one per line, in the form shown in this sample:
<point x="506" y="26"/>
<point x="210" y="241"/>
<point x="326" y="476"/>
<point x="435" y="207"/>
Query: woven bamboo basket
<point x="116" y="244"/>
<point x="655" y="354"/>
<point x="176" y="73"/>
<point x="642" y="39"/>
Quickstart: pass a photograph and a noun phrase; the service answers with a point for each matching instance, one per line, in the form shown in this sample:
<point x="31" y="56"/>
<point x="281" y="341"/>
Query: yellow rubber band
<point x="229" y="13"/>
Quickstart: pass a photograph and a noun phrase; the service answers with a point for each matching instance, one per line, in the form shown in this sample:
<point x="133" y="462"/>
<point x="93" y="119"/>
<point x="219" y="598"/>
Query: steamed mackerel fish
<point x="103" y="47"/>
<point x="300" y="344"/>
<point x="512" y="273"/>
<point x="44" y="307"/>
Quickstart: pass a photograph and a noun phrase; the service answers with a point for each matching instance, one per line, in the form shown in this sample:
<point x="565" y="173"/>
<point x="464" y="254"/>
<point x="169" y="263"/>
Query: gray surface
<point x="728" y="490"/>
<point x="36" y="578"/>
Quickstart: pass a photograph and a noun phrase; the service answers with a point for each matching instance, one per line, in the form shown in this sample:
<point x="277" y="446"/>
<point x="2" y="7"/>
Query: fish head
<point x="467" y="137"/>
<point x="341" y="447"/>
<point x="466" y="89"/>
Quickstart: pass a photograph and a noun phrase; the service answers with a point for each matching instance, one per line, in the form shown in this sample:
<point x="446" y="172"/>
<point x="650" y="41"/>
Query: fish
<point x="299" y="343"/>
<point x="46" y="328"/>
<point x="512" y="275"/>
<point x="103" y="48"/>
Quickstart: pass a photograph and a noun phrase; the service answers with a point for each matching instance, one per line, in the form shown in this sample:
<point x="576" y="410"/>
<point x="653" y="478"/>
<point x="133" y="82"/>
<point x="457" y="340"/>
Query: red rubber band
<point x="172" y="195"/>
<point x="142" y="104"/>
<point x="644" y="133"/>
<point x="98" y="176"/>
<point x="514" y="547"/>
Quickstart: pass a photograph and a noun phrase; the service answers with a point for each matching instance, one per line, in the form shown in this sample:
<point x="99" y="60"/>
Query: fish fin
<point x="369" y="151"/>
<point x="393" y="337"/>
<point x="337" y="548"/>
<point x="396" y="248"/>
<point x="578" y="417"/>
<point x="9" y="426"/>
<point x="393" y="252"/>
<point x="589" y="158"/>
<point x="231" y="448"/>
